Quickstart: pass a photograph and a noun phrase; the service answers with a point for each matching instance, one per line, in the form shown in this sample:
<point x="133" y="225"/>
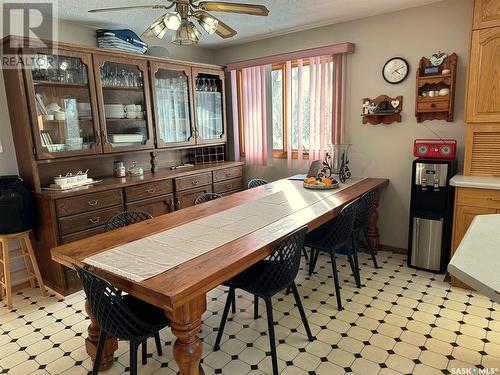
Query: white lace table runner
<point x="142" y="259"/>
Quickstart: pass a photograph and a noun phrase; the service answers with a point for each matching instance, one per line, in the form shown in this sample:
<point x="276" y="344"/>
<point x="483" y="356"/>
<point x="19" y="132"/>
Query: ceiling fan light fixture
<point x="208" y="22"/>
<point x="186" y="34"/>
<point x="172" y="20"/>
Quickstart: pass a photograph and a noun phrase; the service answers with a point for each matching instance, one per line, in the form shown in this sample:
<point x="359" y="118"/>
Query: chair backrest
<point x="339" y="230"/>
<point x="256" y="182"/>
<point x="107" y="306"/>
<point x="205" y="197"/>
<point x="282" y="266"/>
<point x="365" y="210"/>
<point x="126" y="218"/>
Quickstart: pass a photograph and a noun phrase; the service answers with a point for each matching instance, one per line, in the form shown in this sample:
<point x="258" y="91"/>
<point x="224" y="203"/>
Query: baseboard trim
<point x="393" y="249"/>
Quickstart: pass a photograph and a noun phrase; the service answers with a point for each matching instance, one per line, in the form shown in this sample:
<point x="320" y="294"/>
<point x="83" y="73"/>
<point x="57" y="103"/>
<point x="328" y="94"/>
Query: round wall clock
<point x="396" y="70"/>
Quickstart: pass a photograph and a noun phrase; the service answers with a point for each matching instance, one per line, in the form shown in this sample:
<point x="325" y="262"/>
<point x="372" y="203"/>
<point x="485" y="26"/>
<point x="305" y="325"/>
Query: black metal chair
<point x="126" y="218"/>
<point x="205" y="197"/>
<point x="266" y="278"/>
<point x="363" y="215"/>
<point x="256" y="182"/>
<point x="122" y="316"/>
<point x="333" y="236"/>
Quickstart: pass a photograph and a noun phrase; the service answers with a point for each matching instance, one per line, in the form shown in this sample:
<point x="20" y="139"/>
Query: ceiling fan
<point x="183" y="12"/>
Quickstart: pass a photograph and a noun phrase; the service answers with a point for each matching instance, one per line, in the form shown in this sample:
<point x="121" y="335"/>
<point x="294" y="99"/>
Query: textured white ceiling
<point x="285" y="16"/>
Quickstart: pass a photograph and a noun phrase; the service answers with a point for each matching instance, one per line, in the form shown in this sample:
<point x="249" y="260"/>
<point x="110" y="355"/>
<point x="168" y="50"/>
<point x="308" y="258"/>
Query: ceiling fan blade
<point x="224" y="31"/>
<point x="221" y="6"/>
<point x="154" y="6"/>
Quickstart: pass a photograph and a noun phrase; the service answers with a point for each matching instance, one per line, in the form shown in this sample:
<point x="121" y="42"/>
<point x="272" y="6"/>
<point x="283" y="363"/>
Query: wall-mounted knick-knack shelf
<point x="382" y="110"/>
<point x="435" y="95"/>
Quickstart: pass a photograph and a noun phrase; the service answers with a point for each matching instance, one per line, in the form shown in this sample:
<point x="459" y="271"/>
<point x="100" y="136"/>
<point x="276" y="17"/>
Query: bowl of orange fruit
<point x="320" y="183"/>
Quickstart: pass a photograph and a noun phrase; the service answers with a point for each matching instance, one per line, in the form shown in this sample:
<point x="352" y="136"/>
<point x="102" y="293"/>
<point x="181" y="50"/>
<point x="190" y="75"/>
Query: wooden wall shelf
<point x="383" y="116"/>
<point x="435" y="107"/>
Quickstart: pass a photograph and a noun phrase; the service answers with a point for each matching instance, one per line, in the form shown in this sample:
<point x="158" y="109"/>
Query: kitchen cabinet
<point x="172" y="104"/>
<point x="62" y="100"/>
<point x="469" y="203"/>
<point x="209" y="102"/>
<point x="486" y="14"/>
<point x="125" y="109"/>
<point x="483" y="93"/>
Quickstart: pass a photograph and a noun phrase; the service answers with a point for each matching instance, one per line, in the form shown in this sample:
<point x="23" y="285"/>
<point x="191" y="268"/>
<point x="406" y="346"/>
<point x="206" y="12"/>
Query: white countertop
<point x="477" y="259"/>
<point x="478" y="182"/>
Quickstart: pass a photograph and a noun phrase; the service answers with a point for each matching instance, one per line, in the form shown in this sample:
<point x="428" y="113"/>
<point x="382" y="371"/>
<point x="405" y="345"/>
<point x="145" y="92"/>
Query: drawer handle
<point x="494" y="199"/>
<point x="150" y="191"/>
<point x="229" y="174"/>
<point x="229" y="186"/>
<point x="433" y="105"/>
<point x="95" y="220"/>
<point x="195" y="182"/>
<point x="93" y="202"/>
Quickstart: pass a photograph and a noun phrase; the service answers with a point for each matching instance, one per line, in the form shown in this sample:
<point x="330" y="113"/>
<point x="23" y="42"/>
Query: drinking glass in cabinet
<point x="124" y="104"/>
<point x="172" y="106"/>
<point x="62" y="102"/>
<point x="209" y="108"/>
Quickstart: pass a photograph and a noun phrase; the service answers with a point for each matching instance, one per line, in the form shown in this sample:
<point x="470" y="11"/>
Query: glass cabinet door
<point x="209" y="106"/>
<point x="125" y="111"/>
<point x="63" y="98"/>
<point x="172" y="104"/>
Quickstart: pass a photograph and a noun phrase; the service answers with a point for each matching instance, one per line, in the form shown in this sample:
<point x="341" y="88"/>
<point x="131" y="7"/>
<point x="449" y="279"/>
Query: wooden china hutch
<point x="75" y="108"/>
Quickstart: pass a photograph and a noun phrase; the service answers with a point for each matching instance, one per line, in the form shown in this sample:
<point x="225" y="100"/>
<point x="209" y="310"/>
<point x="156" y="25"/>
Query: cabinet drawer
<point x="144" y="191"/>
<point x="88" y="202"/>
<point x="432" y="106"/>
<point x="224" y="186"/>
<point x="154" y="206"/>
<point x="87" y="220"/>
<point x="478" y="198"/>
<point x="187" y="198"/>
<point x="192" y="181"/>
<point x="227" y="174"/>
<point x="83" y="234"/>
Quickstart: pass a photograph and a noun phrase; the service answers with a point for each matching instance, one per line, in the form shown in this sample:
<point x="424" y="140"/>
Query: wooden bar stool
<point x="28" y="256"/>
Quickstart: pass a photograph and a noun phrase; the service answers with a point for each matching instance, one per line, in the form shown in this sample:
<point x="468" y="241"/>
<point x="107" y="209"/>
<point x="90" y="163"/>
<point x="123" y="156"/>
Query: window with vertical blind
<point x="303" y="95"/>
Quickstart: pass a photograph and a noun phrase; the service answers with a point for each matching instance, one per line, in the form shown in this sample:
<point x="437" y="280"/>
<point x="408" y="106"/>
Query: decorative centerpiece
<point x="336" y="162"/>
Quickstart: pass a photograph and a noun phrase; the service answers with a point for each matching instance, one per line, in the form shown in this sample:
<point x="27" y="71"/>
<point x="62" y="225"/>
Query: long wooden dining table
<point x="181" y="291"/>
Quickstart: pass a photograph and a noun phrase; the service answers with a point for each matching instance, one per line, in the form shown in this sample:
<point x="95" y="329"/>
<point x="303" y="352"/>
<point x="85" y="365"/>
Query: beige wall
<point x="79" y="34"/>
<point x="383" y="150"/>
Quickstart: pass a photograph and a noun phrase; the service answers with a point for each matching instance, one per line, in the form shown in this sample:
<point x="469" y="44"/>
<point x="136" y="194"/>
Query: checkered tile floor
<point x="401" y="321"/>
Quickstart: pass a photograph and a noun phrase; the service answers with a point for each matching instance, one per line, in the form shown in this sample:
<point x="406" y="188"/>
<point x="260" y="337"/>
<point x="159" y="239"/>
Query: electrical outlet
<point x="1" y="146"/>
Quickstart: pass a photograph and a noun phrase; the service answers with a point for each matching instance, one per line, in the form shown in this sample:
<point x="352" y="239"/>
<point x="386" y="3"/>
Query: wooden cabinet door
<point x="483" y="95"/>
<point x="124" y="103"/>
<point x="157" y="206"/>
<point x="186" y="198"/>
<point x="172" y="104"/>
<point x="486" y="14"/>
<point x="464" y="215"/>
<point x="62" y="103"/>
<point x="209" y="105"/>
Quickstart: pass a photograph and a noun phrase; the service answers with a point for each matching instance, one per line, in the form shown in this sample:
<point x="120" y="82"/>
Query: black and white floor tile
<point x="401" y="321"/>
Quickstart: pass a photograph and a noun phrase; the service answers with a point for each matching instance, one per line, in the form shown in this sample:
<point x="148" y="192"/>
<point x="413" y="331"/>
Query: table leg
<point x="185" y="322"/>
<point x="110" y="346"/>
<point x="373" y="234"/>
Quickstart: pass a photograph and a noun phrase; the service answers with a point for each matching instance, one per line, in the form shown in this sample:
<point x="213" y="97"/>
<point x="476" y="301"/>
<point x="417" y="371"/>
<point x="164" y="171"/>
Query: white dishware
<point x="60" y="116"/>
<point x="48" y="117"/>
<point x="140" y="115"/>
<point x="446" y="71"/>
<point x="130" y="107"/>
<point x="425" y="93"/>
<point x="70" y="178"/>
<point x="431" y="94"/>
<point x="81" y="176"/>
<point x="60" y="180"/>
<point x="138" y="108"/>
<point x="52" y="108"/>
<point x="444" y="91"/>
<point x="131" y="114"/>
